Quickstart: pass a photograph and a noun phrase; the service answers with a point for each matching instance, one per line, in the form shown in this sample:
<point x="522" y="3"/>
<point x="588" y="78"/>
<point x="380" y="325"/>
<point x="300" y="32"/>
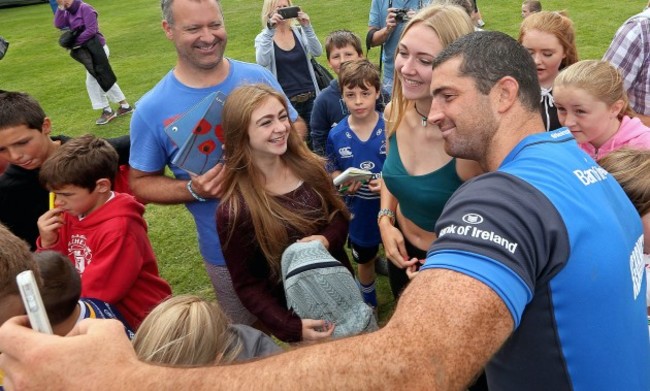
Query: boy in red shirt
<point x="101" y="231"/>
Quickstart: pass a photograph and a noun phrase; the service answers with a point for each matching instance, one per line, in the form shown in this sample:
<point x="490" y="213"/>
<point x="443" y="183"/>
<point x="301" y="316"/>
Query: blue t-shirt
<point x="344" y="150"/>
<point x="152" y="149"/>
<point x="555" y="236"/>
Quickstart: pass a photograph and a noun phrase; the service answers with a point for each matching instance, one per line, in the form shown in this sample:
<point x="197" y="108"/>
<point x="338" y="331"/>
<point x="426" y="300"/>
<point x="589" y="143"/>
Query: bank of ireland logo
<point x="473" y="218"/>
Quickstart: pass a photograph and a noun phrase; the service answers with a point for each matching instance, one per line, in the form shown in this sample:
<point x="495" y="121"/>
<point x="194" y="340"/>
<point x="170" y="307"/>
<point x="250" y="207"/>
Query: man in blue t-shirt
<point x="537" y="273"/>
<point x="199" y="35"/>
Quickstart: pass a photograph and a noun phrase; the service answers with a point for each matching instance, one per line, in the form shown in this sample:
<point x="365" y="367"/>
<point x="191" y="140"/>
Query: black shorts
<point x="363" y="255"/>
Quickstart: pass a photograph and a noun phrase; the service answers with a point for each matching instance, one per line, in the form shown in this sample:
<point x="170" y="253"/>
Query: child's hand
<point x="48" y="227"/>
<point x="375" y="185"/>
<point x="413" y="270"/>
<point x="314" y="330"/>
<point x="320" y="238"/>
<point x="350" y="187"/>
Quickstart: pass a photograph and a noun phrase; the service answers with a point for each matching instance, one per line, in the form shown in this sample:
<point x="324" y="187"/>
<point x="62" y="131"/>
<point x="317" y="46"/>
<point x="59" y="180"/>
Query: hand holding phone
<point x="33" y="303"/>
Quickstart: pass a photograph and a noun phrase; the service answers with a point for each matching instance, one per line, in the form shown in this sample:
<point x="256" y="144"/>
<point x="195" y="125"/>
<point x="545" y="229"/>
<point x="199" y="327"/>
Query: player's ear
<point x="505" y="92"/>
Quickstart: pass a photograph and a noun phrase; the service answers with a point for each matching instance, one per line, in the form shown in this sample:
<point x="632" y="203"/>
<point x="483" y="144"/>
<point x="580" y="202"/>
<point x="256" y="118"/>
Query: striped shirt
<point x="630" y="53"/>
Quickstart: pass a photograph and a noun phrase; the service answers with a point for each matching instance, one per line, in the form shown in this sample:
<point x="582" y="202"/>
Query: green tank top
<point x="421" y="197"/>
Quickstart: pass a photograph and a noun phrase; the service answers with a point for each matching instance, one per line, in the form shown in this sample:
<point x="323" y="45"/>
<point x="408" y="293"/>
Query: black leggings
<point x="397" y="277"/>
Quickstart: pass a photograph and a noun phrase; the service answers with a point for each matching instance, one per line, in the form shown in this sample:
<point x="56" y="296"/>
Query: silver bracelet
<point x="193" y="193"/>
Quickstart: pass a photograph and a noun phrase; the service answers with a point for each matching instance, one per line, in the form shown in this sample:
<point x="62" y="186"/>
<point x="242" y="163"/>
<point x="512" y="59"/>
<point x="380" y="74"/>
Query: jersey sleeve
<point x="503" y="232"/>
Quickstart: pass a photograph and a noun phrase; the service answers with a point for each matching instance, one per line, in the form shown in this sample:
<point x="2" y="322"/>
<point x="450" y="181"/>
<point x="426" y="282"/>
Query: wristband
<point x="386" y="212"/>
<point x="193" y="193"/>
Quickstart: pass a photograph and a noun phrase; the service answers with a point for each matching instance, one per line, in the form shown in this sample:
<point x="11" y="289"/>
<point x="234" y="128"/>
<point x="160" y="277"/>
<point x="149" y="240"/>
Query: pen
<point x="345" y="188"/>
<point x="52" y="198"/>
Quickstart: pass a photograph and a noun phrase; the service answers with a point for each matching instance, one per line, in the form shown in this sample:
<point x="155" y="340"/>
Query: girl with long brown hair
<point x="276" y="192"/>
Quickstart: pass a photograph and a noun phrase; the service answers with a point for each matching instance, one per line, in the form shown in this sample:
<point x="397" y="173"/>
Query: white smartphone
<point x="33" y="302"/>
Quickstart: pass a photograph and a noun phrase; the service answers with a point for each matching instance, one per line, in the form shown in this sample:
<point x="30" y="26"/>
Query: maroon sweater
<point x="250" y="272"/>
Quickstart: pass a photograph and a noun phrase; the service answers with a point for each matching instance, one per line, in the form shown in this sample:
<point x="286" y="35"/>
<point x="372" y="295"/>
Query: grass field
<point x="141" y="55"/>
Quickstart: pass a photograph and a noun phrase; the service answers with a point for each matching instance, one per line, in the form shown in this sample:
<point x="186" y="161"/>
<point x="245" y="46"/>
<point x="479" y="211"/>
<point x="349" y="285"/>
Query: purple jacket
<point x="632" y="134"/>
<point x="79" y="16"/>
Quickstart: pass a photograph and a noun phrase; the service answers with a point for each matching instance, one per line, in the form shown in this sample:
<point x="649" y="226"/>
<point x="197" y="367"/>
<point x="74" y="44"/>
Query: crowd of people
<point x="505" y="179"/>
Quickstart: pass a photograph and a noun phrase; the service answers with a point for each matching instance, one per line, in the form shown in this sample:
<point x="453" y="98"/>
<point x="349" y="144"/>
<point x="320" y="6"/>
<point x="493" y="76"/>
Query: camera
<point x="401" y="15"/>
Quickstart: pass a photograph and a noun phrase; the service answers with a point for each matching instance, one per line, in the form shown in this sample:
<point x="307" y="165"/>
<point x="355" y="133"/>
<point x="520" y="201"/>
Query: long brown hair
<point x="448" y="22"/>
<point x="243" y="185"/>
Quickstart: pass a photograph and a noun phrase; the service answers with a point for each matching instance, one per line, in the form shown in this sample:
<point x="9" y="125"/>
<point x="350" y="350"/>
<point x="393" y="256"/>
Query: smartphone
<point x="289" y="12"/>
<point x="33" y="303"/>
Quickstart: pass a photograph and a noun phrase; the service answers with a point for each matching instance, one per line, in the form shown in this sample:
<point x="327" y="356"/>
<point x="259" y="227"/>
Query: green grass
<point x="141" y="55"/>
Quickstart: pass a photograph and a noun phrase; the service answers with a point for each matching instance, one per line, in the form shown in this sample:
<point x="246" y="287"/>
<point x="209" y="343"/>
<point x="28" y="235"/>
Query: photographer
<point x="385" y="25"/>
<point x="284" y="47"/>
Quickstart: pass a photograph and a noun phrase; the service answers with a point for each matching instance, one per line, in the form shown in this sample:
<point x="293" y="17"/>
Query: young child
<point x="61" y="294"/>
<point x="187" y="331"/>
<point x="530" y="7"/>
<point x="329" y="108"/>
<point x="101" y="231"/>
<point x="551" y="40"/>
<point x="26" y="142"/>
<point x="630" y="167"/>
<point x="592" y="102"/>
<point x="359" y="141"/>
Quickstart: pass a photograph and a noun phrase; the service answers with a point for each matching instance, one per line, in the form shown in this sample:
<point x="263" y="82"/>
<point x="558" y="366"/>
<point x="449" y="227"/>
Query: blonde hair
<point x="557" y="24"/>
<point x="448" y="22"/>
<point x="268" y="7"/>
<point x="244" y="182"/>
<point x="186" y="331"/>
<point x="630" y="168"/>
<point x="598" y="78"/>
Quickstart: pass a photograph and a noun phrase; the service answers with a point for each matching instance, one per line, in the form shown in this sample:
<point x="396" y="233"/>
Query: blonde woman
<point x="419" y="175"/>
<point x="187" y="331"/>
<point x="285" y="47"/>
<point x="551" y="40"/>
<point x="591" y="101"/>
<point x="276" y="192"/>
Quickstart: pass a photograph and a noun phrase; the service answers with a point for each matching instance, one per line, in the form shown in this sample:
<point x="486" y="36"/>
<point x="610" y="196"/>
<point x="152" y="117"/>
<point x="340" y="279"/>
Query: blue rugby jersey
<point x="573" y="281"/>
<point x="344" y="150"/>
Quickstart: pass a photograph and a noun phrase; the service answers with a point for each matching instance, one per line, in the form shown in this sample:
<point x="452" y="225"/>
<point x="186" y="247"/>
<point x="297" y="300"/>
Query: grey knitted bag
<point x="318" y="286"/>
